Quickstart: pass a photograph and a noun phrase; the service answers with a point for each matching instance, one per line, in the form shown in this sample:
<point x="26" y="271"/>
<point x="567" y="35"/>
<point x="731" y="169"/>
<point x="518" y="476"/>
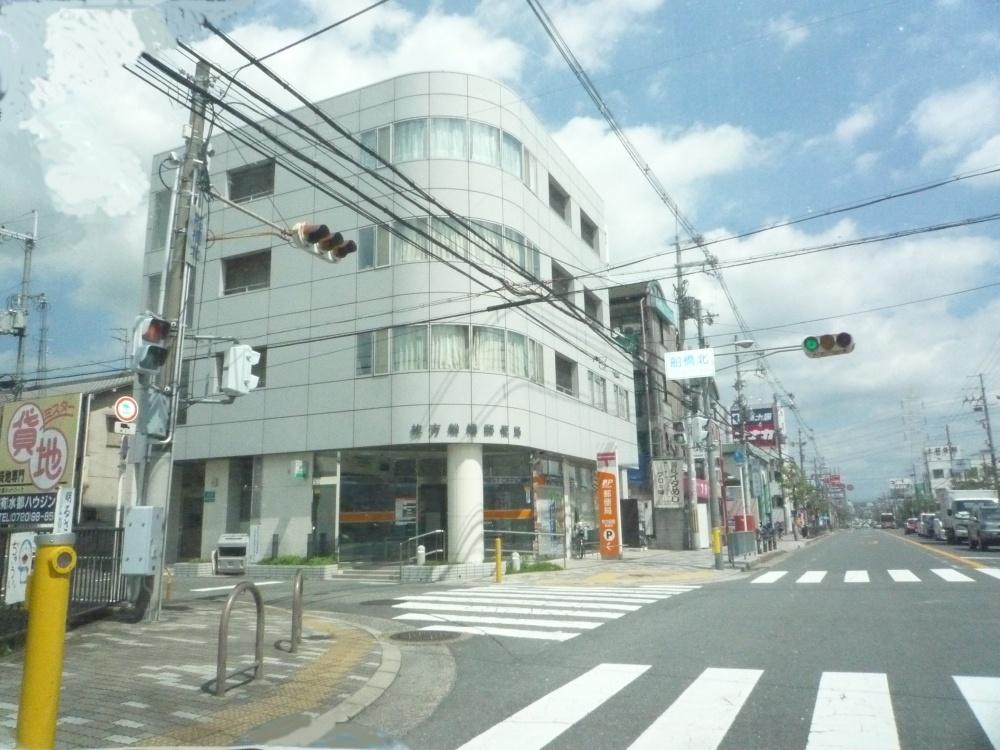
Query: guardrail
<point x="440" y="547"/>
<point x="537" y="545"/>
<point x="220" y="666"/>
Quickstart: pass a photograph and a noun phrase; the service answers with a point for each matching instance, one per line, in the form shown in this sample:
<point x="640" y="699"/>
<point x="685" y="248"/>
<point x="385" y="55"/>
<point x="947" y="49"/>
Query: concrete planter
<point x="458" y="572"/>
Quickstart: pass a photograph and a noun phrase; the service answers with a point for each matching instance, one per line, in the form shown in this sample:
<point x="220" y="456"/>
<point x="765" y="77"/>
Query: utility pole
<point x="155" y="478"/>
<point x="951" y="456"/>
<point x="17" y="321"/>
<point x="989" y="436"/>
<point x="710" y="456"/>
<point x="741" y="408"/>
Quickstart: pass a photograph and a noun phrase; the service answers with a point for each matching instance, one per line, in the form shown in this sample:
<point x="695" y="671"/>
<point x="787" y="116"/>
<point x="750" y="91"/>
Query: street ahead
<point x="861" y="640"/>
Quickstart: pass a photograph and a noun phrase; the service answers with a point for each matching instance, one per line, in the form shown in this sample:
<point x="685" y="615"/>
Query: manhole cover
<point x="380" y="602"/>
<point x="424" y="636"/>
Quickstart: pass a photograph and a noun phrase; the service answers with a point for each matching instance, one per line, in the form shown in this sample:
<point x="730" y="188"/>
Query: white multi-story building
<point x="390" y="401"/>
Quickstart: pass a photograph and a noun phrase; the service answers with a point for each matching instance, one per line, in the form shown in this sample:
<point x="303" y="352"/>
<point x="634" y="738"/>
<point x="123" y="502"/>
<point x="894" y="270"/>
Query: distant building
<point x="944" y="464"/>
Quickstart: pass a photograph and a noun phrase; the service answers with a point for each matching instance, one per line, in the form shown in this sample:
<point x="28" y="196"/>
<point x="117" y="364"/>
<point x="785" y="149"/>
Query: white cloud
<point x="789" y="30"/>
<point x="987" y="155"/>
<point x="866" y="161"/>
<point x="952" y="120"/>
<point x="855" y="124"/>
<point x="683" y="161"/>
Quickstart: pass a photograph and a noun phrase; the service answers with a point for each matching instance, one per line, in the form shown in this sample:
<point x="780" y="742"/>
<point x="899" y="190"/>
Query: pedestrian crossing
<point x="895" y="575"/>
<point x="850" y="710"/>
<point x="546" y="613"/>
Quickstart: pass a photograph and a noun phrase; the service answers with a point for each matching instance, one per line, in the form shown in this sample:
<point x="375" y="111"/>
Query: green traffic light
<point x="810" y="344"/>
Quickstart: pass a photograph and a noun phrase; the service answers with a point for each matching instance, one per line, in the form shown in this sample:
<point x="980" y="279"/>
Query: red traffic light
<point x="155" y="330"/>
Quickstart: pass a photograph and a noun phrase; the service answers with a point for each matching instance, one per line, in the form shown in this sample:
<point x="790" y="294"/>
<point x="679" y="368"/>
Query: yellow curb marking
<point x="944" y="553"/>
<point x="306" y="690"/>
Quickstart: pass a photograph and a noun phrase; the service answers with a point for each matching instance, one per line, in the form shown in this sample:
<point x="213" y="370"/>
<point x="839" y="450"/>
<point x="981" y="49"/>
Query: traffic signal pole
<point x="989" y="436"/>
<point x="156" y="466"/>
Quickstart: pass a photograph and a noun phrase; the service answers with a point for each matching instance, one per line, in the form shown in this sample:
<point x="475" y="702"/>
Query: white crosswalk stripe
<point x="897" y="575"/>
<point x="851" y="711"/>
<point x="550" y="613"/>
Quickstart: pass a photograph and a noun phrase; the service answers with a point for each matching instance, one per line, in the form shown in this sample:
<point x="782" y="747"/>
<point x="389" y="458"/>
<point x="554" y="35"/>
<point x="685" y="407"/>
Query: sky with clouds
<point x="749" y="113"/>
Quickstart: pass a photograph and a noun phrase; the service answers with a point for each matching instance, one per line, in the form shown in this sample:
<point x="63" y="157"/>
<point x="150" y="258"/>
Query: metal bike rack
<point x="220" y="666"/>
<point x="296" y="612"/>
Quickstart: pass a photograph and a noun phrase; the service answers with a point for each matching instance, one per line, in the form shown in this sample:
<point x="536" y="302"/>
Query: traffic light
<point x="330" y="246"/>
<point x="237" y="366"/>
<point x="828" y="345"/>
<point x="149" y="344"/>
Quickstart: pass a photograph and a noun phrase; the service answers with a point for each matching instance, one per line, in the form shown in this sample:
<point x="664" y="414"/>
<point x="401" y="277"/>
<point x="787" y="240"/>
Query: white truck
<point x="954" y="510"/>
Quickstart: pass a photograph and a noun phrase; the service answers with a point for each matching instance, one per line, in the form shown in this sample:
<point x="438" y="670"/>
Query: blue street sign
<point x="739" y="457"/>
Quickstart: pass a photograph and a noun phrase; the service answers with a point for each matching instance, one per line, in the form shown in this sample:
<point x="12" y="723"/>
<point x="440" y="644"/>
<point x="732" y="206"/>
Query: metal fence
<point x="530" y="545"/>
<point x="96" y="584"/>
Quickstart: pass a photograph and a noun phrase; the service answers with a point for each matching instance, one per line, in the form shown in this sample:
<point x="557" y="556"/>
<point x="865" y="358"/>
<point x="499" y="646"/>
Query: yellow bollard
<point x="48" y="605"/>
<point x="499" y="559"/>
<point x="716" y="540"/>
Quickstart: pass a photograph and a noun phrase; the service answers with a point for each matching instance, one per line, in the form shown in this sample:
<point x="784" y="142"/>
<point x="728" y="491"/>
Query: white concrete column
<point x="465" y="503"/>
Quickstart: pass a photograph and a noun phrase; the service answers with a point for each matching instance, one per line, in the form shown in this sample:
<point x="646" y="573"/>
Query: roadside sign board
<point x="126" y="409"/>
<point x="668" y="490"/>
<point x="20" y="556"/>
<point x="693" y="363"/>
<point x="38" y="440"/>
<point x="37" y="509"/>
<point x="608" y="506"/>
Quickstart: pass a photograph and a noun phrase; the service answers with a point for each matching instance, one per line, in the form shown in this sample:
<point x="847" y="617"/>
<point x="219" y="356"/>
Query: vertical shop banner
<point x="609" y="527"/>
<point x="38" y="449"/>
<point x="668" y="476"/>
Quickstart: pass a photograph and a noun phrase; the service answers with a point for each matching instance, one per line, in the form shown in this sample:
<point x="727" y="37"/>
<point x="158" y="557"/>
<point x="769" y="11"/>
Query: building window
<point x="254" y="181"/>
<point x="588" y="230"/>
<point x="530" y="174"/>
<point x="409" y="242"/>
<point x="409" y="348"/>
<point x="592" y="305"/>
<point x="937" y="473"/>
<point x="378" y="140"/>
<point x="536" y="362"/>
<point x="409" y="140"/>
<point x="373" y="247"/>
<point x="447" y="231"/>
<point x="449" y="138"/>
<point x="487" y="349"/>
<point x="485" y="143"/>
<point x="488" y="251"/>
<point x="159" y="220"/>
<point x="565" y="375"/>
<point x="558" y="199"/>
<point x="449" y="347"/>
<point x="517" y="355"/>
<point x="510" y="156"/>
<point x="246" y="273"/>
<point x="621" y="402"/>
<point x="562" y="281"/>
<point x="373" y="352"/>
<point x="153" y="292"/>
<point x="598" y="391"/>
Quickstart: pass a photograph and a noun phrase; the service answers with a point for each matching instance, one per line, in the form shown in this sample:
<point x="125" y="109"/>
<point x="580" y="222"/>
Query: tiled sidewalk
<point x="150" y="684"/>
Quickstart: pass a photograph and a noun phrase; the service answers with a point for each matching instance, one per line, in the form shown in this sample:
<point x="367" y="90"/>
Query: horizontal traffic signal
<point x="330" y="246"/>
<point x="828" y="345"/>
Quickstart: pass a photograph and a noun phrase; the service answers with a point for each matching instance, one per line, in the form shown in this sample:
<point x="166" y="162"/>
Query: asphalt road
<point x="860" y="658"/>
<point x="853" y="642"/>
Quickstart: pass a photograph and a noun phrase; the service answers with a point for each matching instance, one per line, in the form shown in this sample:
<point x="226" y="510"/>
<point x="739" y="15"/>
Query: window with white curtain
<point x="517" y="354"/>
<point x="598" y="391"/>
<point x="378" y="140"/>
<point x="514" y="246"/>
<point x="530" y="173"/>
<point x="373" y="352"/>
<point x="510" y="156"/>
<point x="449" y="139"/>
<point x="409" y="348"/>
<point x="409" y="140"/>
<point x="621" y="402"/>
<point x="485" y="143"/>
<point x="373" y="247"/>
<point x="537" y="362"/>
<point x="489" y="249"/>
<point x="487" y="349"/>
<point x="535" y="259"/>
<point x="411" y="249"/>
<point x="448" y="231"/>
<point x="449" y="347"/>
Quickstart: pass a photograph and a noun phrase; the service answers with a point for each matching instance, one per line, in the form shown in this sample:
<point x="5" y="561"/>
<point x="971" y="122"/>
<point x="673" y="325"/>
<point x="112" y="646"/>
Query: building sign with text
<point x="761" y="427"/>
<point x="38" y="449"/>
<point x="668" y="479"/>
<point x="609" y="531"/>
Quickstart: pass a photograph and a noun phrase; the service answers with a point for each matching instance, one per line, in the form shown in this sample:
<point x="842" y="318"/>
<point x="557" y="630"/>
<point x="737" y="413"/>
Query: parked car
<point x="984" y="527"/>
<point x="910" y="527"/>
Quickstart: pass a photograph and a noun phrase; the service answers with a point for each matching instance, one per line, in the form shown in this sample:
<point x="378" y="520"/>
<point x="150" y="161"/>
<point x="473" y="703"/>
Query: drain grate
<point x="380" y="602"/>
<point x="424" y="636"/>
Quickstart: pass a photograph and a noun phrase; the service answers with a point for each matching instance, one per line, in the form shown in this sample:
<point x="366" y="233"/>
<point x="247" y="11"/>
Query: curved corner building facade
<point x="391" y="402"/>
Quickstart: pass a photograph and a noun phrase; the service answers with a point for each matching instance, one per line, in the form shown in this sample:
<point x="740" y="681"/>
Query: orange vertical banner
<point x="609" y="526"/>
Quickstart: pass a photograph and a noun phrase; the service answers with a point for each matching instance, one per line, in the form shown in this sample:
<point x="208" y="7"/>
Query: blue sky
<point x="748" y="112"/>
